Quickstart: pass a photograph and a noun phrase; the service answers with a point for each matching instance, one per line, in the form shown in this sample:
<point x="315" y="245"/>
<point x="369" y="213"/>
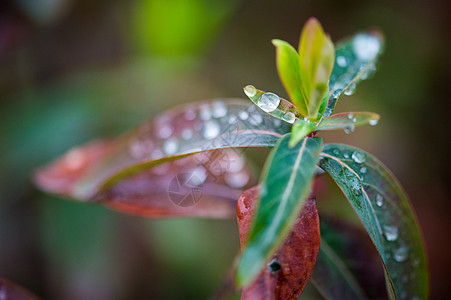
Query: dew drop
<point x="346" y="155"/>
<point x="243" y="115"/>
<point x="156" y="154"/>
<point x="336" y="152"/>
<point x="401" y="254"/>
<point x="350" y="115"/>
<point x="354" y="120"/>
<point x="255" y="119"/>
<point x="250" y="91"/>
<point x="200" y="173"/>
<point x="379" y="200"/>
<point x="269" y="102"/>
<point x="75" y="159"/>
<point x="351" y="89"/>
<point x="205" y="113"/>
<point x="170" y="146"/>
<point x="164" y="131"/>
<point x="211" y="129"/>
<point x="219" y="109"/>
<point x="289" y="117"/>
<point x="391" y="233"/>
<point x="349" y="129"/>
<point x="336" y="93"/>
<point x="232" y="119"/>
<point x="358" y="157"/>
<point x="187" y="134"/>
<point x="236" y="180"/>
<point x="363" y="170"/>
<point x="373" y="122"/>
<point x="277" y="122"/>
<point x="341" y="61"/>
<point x="366" y="46"/>
<point x="190" y="115"/>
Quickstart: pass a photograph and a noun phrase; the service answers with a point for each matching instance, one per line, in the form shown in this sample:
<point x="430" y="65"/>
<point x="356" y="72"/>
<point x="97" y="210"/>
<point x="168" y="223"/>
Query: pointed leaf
<point x="355" y="60"/>
<point x="288" y="68"/>
<point x="386" y="214"/>
<point x="293" y="263"/>
<point x="285" y="183"/>
<point x="316" y="59"/>
<point x="284" y="111"/>
<point x="206" y="184"/>
<point x="301" y="129"/>
<point x="11" y="291"/>
<point x="348" y="120"/>
<point x="180" y="132"/>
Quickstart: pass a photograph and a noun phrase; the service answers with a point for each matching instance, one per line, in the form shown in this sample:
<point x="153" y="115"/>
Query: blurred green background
<point x="71" y="71"/>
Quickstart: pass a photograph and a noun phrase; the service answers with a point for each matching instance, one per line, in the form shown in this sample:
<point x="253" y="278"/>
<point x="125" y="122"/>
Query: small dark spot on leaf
<point x="300" y="281"/>
<point x="274" y="266"/>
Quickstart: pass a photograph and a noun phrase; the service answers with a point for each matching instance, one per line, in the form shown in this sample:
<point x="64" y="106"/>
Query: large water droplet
<point x="391" y="233"/>
<point x="269" y="102"/>
<point x="200" y="173"/>
<point x="358" y="157"/>
<point x="250" y="91"/>
<point x="341" y="61"/>
<point x="243" y="115"/>
<point x="366" y="46"/>
<point x="379" y="200"/>
<point x="373" y="122"/>
<point x="170" y="146"/>
<point x="401" y="254"/>
<point x="289" y="117"/>
<point x="219" y="109"/>
<point x="211" y="129"/>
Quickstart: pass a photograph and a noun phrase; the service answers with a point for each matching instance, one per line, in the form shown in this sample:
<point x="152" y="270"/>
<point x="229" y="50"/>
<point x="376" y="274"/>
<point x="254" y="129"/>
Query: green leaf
<point x="285" y="110"/>
<point x="333" y="275"/>
<point x="300" y="130"/>
<point x="177" y="133"/>
<point x="348" y="120"/>
<point x="386" y="214"/>
<point x="316" y="60"/>
<point x="285" y="183"/>
<point x="288" y="68"/>
<point x="355" y="60"/>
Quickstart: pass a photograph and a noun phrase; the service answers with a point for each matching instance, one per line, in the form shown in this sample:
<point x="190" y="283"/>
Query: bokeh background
<point x="71" y="71"/>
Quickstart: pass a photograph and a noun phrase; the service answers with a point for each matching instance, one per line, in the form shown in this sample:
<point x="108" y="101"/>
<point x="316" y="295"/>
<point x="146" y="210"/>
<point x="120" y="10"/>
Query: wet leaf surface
<point x="355" y="60"/>
<point x="289" y="270"/>
<point x="285" y="184"/>
<point x="348" y="120"/>
<point x="180" y="132"/>
<point x="11" y="291"/>
<point x="386" y="214"/>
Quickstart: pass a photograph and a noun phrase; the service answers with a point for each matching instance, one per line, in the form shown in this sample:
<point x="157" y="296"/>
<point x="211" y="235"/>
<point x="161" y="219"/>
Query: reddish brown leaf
<point x="11" y="291"/>
<point x="289" y="271"/>
<point x="206" y="184"/>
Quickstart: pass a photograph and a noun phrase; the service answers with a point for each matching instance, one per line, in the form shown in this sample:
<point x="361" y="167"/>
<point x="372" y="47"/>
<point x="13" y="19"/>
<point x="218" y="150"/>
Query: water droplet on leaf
<point x="341" y="61"/>
<point x="243" y="115"/>
<point x="373" y="122"/>
<point x="391" y="233"/>
<point x="350" y="115"/>
<point x="170" y="146"/>
<point x="348" y="129"/>
<point x="269" y="102"/>
<point x="379" y="200"/>
<point x="366" y="46"/>
<point x="358" y="157"/>
<point x="250" y="91"/>
<point x="187" y="134"/>
<point x="219" y="109"/>
<point x="289" y="117"/>
<point x="401" y="254"/>
<point x="351" y="89"/>
<point x="211" y="129"/>
<point x="363" y="170"/>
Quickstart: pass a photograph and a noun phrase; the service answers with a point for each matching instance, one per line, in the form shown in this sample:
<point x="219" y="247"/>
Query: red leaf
<point x="11" y="291"/>
<point x="288" y="272"/>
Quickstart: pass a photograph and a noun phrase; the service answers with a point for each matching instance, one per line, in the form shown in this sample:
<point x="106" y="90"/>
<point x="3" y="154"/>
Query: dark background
<point x="71" y="71"/>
